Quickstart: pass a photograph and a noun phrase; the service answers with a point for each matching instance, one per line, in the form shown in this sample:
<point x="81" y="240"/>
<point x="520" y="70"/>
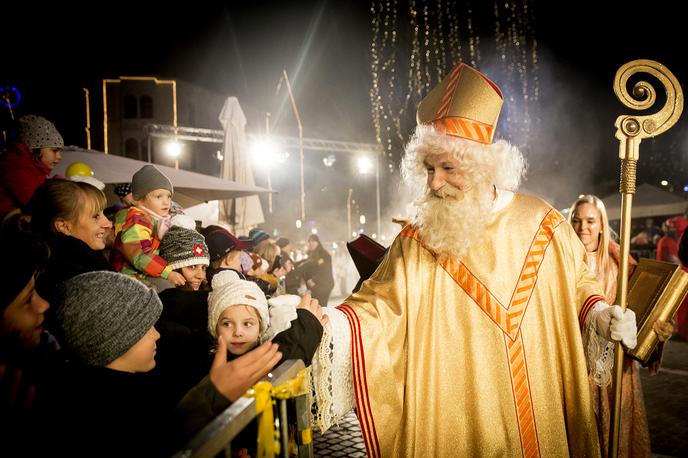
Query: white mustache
<point x="448" y="190"/>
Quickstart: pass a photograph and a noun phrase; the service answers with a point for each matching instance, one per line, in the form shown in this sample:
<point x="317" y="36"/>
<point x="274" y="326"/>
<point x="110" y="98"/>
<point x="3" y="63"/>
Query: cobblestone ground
<point x="341" y="441"/>
<point x="666" y="401"/>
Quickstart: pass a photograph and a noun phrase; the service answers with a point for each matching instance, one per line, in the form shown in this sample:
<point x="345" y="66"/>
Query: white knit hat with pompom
<point x="229" y="290"/>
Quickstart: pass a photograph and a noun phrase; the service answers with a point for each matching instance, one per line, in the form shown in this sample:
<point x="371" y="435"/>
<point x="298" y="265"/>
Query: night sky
<point x="240" y="49"/>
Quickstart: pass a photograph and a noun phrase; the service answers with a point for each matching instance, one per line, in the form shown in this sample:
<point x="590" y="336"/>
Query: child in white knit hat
<point x="239" y="318"/>
<point x="239" y="312"/>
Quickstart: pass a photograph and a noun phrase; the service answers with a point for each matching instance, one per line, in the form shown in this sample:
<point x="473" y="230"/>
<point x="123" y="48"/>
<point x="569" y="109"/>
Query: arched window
<point x="146" y="106"/>
<point x="130" y="107"/>
<point x="131" y="148"/>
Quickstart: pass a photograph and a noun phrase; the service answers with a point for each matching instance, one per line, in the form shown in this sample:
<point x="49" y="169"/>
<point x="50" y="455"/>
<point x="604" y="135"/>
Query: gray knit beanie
<point x="104" y="314"/>
<point x="37" y="132"/>
<point x="182" y="247"/>
<point x="148" y="179"/>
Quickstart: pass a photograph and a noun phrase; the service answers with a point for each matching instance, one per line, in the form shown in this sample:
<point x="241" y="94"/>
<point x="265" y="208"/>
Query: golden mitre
<point x="465" y="104"/>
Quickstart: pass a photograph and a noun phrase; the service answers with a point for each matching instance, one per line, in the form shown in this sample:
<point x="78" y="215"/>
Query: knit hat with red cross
<point x="183" y="247"/>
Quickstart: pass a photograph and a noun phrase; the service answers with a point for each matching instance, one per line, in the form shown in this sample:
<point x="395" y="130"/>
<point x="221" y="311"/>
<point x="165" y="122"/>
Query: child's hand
<point x="233" y="378"/>
<point x="176" y="279"/>
<point x="313" y="306"/>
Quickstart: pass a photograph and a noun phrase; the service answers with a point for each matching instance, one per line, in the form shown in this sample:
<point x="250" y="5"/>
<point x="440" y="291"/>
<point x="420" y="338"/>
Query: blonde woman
<point x="588" y="217"/>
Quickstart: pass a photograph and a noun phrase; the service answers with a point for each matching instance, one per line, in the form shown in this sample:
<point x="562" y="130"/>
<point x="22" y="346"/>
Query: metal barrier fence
<point x="287" y="382"/>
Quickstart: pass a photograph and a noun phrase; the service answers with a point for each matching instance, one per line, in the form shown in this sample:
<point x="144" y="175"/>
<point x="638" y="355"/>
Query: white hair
<point x="499" y="163"/>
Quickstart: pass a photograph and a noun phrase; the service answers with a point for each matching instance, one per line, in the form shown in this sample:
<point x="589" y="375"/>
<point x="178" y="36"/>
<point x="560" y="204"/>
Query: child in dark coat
<point x="241" y="318"/>
<point x="109" y="405"/>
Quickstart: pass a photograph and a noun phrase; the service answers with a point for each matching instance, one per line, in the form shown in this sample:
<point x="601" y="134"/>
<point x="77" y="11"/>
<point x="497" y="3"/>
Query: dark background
<point x="240" y="48"/>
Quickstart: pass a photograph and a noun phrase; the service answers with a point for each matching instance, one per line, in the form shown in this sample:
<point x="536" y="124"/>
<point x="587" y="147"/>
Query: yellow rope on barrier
<point x="265" y="394"/>
<point x="268" y="443"/>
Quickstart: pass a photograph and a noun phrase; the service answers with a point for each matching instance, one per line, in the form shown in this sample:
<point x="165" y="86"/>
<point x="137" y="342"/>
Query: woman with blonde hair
<point x="588" y="217"/>
<point x="68" y="215"/>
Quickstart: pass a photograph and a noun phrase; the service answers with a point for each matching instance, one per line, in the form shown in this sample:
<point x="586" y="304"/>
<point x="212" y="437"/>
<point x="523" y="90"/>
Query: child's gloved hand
<point x="176" y="279"/>
<point x="282" y="310"/>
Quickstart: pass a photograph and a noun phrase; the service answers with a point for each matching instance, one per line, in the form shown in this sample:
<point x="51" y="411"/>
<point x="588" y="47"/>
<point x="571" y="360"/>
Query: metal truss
<point x="197" y="134"/>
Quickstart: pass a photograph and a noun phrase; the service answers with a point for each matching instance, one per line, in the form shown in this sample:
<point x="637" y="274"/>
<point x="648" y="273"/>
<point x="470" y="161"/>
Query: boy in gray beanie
<point x="104" y="401"/>
<point x="107" y="320"/>
<point x="140" y="228"/>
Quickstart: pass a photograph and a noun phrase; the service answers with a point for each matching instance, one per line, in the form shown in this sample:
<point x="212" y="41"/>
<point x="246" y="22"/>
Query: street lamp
<point x="264" y="152"/>
<point x="174" y="150"/>
<point x="365" y="165"/>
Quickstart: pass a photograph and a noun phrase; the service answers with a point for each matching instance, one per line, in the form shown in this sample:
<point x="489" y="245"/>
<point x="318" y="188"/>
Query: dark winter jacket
<point x="183" y="351"/>
<point x="318" y="268"/>
<point x="98" y="411"/>
<point x="69" y="257"/>
<point x="25" y="384"/>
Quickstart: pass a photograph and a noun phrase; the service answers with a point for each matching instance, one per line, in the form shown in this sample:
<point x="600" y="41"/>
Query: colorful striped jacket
<point x="136" y="245"/>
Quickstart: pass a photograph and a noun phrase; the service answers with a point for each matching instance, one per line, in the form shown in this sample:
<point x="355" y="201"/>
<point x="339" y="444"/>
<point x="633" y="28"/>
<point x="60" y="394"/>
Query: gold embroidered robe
<point x="479" y="358"/>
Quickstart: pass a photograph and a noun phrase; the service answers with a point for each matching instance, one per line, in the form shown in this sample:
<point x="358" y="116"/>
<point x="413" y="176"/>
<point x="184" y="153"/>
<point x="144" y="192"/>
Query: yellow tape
<point x="267" y="446"/>
<point x="306" y="436"/>
<point x="292" y="387"/>
<point x="265" y="393"/>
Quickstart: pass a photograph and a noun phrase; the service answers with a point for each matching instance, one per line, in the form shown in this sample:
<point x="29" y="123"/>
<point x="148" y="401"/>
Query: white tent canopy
<point x="242" y="213"/>
<point x="648" y="201"/>
<point x="190" y="188"/>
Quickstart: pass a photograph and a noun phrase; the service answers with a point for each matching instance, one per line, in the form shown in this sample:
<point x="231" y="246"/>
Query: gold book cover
<point x="656" y="290"/>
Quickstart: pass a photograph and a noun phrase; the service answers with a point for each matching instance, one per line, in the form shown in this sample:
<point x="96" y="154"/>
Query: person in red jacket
<point x="25" y="165"/>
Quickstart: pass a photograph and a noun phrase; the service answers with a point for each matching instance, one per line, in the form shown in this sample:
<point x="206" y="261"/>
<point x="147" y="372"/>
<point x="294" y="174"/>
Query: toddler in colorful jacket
<point x="139" y="228"/>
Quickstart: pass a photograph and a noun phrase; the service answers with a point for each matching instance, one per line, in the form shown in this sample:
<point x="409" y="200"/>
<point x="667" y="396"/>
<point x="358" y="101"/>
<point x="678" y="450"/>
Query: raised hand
<point x="233" y="378"/>
<point x="313" y="306"/>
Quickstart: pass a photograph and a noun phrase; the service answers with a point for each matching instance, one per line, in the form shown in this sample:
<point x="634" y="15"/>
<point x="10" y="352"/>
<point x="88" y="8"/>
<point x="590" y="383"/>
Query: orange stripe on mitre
<point x="465" y="128"/>
<point x="443" y="108"/>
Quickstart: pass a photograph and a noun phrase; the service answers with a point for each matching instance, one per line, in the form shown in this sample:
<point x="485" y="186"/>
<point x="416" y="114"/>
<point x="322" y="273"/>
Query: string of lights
<point x="413" y="48"/>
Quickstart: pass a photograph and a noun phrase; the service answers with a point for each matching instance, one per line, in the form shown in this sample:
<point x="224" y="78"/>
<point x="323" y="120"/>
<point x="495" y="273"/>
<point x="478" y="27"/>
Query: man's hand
<point x="313" y="306"/>
<point x="233" y="378"/>
<point x="615" y="324"/>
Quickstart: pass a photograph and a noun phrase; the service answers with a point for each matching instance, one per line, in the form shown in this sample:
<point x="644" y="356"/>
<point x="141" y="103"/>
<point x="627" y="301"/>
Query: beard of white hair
<point x="451" y="221"/>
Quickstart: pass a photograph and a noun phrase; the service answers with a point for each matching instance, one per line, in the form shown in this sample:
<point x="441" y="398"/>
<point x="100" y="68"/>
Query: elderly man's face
<point x="444" y="168"/>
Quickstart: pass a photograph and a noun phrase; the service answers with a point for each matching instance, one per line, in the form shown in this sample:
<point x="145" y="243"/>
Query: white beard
<point x="450" y="221"/>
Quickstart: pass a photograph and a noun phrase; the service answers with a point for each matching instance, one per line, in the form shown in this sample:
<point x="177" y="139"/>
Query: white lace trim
<point x="332" y="378"/>
<point x="599" y="352"/>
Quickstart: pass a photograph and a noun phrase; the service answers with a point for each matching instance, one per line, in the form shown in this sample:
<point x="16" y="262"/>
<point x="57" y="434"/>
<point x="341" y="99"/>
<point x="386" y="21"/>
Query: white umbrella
<point x="236" y="166"/>
<point x="648" y="201"/>
<point x="190" y="188"/>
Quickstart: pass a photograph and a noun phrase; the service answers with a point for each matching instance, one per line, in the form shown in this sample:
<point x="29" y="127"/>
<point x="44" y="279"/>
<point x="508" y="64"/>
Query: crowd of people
<point x="127" y="328"/>
<point x="141" y="326"/>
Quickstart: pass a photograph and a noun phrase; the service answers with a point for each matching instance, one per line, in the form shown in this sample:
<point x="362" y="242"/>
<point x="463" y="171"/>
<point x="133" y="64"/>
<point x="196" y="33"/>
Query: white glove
<point x="282" y="310"/>
<point x="615" y="324"/>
